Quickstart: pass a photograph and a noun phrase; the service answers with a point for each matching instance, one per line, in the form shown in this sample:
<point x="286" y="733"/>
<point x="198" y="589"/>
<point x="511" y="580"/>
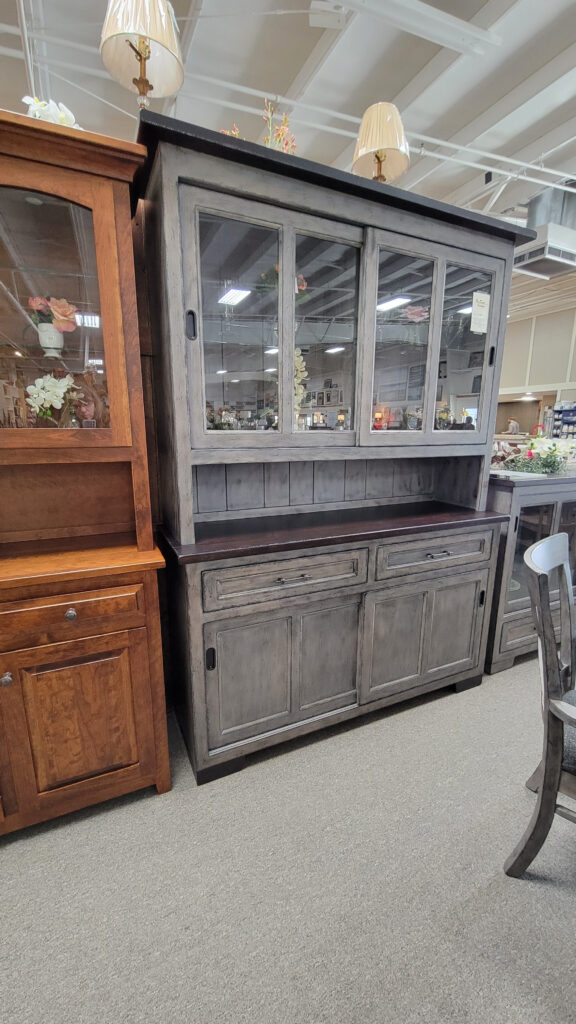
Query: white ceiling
<point x="509" y="108"/>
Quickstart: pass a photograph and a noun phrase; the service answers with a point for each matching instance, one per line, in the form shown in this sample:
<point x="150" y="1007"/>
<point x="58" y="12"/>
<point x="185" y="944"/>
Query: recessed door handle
<point x="191" y="328"/>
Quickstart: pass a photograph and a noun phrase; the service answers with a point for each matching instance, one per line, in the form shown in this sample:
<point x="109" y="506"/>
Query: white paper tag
<point x="480" y="310"/>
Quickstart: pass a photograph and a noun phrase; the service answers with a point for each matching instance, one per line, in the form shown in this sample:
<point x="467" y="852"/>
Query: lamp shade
<point x="154" y="21"/>
<point x="381" y="138"/>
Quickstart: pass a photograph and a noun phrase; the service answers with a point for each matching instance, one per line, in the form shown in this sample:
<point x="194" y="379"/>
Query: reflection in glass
<point x="326" y="317"/>
<point x="568" y="525"/>
<point x="463" y="347"/>
<point x="534" y="523"/>
<point x="401" y="354"/>
<point x="52" y="363"/>
<point x="240" y="296"/>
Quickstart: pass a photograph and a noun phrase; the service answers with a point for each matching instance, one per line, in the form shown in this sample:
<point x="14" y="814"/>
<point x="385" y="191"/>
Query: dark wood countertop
<point x="235" y="538"/>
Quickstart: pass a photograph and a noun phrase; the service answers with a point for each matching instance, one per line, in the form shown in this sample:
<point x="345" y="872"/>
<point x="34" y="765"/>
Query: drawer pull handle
<point x="71" y="615"/>
<point x="7" y="679"/>
<point x="281" y="580"/>
<point x="439" y="554"/>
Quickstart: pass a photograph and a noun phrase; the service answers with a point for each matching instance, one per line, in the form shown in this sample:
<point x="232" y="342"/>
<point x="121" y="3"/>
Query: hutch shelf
<point x="82" y="715"/>
<point x="326" y="356"/>
<point x="535" y="508"/>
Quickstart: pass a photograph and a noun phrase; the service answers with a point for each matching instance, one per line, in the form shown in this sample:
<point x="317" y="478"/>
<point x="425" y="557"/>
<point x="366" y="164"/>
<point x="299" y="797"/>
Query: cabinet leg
<point x="467" y="684"/>
<point x="499" y="666"/>
<point x="217" y="771"/>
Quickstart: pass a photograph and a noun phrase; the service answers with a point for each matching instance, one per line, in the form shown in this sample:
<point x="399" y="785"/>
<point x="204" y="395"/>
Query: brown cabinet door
<point x="77" y="719"/>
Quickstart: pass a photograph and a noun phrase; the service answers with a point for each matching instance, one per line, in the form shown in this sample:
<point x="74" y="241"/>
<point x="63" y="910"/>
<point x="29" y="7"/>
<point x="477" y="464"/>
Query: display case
<point x="326" y="359"/>
<point x="81" y="689"/>
<point x="537" y="508"/>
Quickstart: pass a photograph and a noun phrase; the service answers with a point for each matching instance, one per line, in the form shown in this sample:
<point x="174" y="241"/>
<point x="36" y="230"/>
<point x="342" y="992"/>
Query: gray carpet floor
<point x="356" y="876"/>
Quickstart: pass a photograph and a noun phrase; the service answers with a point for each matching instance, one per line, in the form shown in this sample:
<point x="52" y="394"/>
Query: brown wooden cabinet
<point x="82" y="715"/>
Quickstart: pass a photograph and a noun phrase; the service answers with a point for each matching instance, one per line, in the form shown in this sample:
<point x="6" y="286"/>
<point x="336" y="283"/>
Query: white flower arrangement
<point x="48" y="110"/>
<point x="48" y="393"/>
<point x="300" y="373"/>
<point x="563" y="446"/>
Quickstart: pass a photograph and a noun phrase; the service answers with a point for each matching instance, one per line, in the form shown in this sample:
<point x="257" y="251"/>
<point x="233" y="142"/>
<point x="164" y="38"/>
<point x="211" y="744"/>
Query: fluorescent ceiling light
<point x="465" y="309"/>
<point x="528" y="398"/>
<point x="235" y="380"/>
<point x="233" y="296"/>
<point x="270" y="369"/>
<point x="270" y="351"/>
<point x="335" y="348"/>
<point x="17" y="353"/>
<point x="393" y="303"/>
<point x="221" y="371"/>
<point x="87" y="319"/>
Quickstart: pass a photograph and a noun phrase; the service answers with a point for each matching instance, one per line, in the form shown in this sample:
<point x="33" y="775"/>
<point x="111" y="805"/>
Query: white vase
<point x="51" y="340"/>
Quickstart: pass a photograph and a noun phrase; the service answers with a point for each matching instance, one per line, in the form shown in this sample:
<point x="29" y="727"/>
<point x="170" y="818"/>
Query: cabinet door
<point x="422" y="632"/>
<point x="78" y="722"/>
<point x="264" y="672"/>
<point x="61" y="363"/>
<point x="430" y="357"/>
<point x="532" y="523"/>
<point x="272" y="300"/>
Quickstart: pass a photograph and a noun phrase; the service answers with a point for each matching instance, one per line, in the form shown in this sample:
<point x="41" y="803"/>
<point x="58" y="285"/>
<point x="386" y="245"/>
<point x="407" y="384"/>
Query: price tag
<point x="480" y="310"/>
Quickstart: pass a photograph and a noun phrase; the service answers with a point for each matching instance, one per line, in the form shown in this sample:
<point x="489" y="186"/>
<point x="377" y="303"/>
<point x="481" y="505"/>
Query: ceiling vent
<point x="553" y="252"/>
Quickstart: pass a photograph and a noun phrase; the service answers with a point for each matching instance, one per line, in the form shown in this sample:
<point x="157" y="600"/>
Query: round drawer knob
<point x="71" y="615"/>
<point x="7" y="679"/>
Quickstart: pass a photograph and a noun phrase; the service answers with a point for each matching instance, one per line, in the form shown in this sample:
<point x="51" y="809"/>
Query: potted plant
<point x="53" y="318"/>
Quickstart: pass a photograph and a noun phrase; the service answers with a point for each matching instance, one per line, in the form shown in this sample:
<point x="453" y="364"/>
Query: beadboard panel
<point x="265" y="488"/>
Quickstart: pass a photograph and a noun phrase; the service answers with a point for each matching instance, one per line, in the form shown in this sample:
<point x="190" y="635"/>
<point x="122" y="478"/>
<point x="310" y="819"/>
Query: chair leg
<point x="543" y="816"/>
<point x="535" y="780"/>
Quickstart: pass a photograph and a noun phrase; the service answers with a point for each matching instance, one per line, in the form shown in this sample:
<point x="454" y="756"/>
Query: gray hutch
<point x="326" y="357"/>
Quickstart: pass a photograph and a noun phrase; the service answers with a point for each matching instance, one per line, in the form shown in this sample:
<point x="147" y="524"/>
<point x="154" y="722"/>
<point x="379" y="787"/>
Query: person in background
<point x="513" y="426"/>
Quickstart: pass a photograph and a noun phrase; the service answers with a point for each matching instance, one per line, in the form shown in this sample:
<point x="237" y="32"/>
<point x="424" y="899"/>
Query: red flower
<point x="529" y="454"/>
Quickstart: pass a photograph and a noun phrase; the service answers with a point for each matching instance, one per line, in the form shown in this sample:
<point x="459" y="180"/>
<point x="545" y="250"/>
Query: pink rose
<point x="38" y="302"/>
<point x="530" y="454"/>
<point x="64" y="315"/>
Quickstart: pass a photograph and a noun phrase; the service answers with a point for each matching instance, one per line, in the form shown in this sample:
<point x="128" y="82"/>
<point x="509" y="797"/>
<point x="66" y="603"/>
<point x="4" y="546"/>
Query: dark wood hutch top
<point x="156" y="128"/>
<point x="263" y="535"/>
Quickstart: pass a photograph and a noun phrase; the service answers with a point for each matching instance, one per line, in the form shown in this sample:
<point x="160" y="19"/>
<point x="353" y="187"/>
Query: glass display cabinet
<point x="537" y="508"/>
<point x="81" y="687"/>
<point x="326" y="359"/>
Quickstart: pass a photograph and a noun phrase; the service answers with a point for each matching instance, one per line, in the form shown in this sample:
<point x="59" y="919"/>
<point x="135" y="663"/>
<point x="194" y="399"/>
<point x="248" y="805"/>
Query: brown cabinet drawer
<point x="59" y="617"/>
<point x="433" y="552"/>
<point x="265" y="581"/>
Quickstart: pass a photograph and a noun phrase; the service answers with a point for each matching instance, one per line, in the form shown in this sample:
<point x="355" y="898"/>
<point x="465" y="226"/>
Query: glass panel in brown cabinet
<point x="240" y="278"/>
<point x="326" y="328"/>
<point x="463" y="355"/>
<point x="53" y="370"/>
<point x="405" y="289"/>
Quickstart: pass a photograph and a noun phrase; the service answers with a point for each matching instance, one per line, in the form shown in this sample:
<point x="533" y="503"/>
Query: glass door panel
<point x="52" y="360"/>
<point x="240" y="276"/>
<point x="326" y="327"/>
<point x="567" y="525"/>
<point x="405" y="286"/>
<point x="467" y="296"/>
<point x="534" y="523"/>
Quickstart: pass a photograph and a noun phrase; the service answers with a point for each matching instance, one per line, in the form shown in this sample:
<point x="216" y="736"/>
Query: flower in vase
<point x="48" y="393"/>
<point x="59" y="312"/>
<point x="64" y="314"/>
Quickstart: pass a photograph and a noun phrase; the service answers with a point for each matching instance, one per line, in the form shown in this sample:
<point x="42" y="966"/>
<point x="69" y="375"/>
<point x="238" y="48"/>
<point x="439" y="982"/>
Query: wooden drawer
<point x="60" y="617"/>
<point x="264" y="581"/>
<point x="433" y="552"/>
<point x="520" y="632"/>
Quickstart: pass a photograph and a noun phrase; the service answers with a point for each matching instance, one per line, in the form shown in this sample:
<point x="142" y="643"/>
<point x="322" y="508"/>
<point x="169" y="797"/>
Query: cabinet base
<point x="217" y="771"/>
<point x="467" y="684"/>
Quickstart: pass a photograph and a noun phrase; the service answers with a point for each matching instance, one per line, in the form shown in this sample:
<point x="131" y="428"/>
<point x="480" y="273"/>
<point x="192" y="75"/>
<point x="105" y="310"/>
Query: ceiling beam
<point x="426" y="22"/>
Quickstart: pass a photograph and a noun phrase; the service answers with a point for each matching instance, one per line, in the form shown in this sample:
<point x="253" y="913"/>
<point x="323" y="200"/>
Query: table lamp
<point x="382" y="151"/>
<point x="147" y="31"/>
